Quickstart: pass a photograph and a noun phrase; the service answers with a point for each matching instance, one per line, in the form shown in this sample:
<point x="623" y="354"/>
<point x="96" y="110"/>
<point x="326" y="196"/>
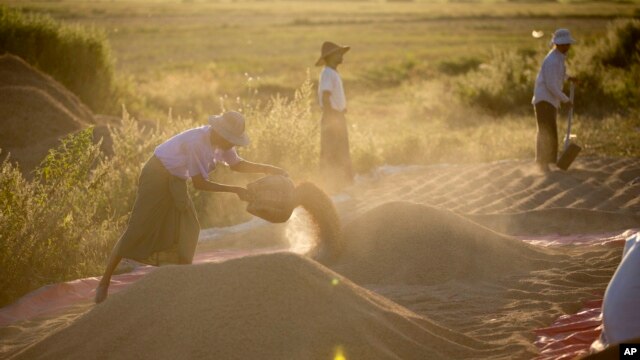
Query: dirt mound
<point x="277" y="306"/>
<point x="408" y="243"/>
<point x="513" y="186"/>
<point x="557" y="221"/>
<point x="35" y="111"/>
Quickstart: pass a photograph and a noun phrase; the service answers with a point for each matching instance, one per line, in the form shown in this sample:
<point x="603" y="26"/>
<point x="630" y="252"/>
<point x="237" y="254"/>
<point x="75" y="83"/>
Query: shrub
<point x="77" y="57"/>
<point x="52" y="228"/>
<point x="459" y="66"/>
<point x="502" y="85"/>
<point x="621" y="47"/>
<point x="610" y="71"/>
<point x="394" y="74"/>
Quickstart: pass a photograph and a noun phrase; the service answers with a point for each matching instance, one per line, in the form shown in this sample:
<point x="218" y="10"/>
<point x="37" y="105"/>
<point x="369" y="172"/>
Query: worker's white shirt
<point x="330" y="81"/>
<point x="550" y="80"/>
<point x="190" y="153"/>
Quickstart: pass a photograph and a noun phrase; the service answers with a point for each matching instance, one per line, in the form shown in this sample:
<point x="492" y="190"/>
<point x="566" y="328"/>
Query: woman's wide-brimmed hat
<point x="329" y="48"/>
<point x="230" y="126"/>
<point x="562" y="37"/>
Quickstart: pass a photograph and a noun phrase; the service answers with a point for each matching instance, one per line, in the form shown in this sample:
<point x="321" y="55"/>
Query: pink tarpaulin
<point x="51" y="299"/>
<point x="571" y="335"/>
<point x="612" y="239"/>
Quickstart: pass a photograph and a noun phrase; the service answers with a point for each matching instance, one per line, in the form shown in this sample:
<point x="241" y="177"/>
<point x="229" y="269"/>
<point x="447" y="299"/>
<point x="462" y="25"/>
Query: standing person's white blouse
<point x="190" y="153"/>
<point x="330" y="81"/>
<point x="550" y="80"/>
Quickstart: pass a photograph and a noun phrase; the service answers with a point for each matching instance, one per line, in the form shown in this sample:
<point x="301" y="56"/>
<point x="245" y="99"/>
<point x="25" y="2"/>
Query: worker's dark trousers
<point x="547" y="135"/>
<point x="335" y="159"/>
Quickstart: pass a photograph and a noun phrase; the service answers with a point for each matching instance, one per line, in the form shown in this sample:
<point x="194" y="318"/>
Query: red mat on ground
<point x="571" y="335"/>
<point x="51" y="299"/>
<point x="611" y="238"/>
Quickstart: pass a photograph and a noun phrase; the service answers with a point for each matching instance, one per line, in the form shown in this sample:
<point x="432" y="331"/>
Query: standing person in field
<point x="335" y="160"/>
<point x="163" y="227"/>
<point x="548" y="96"/>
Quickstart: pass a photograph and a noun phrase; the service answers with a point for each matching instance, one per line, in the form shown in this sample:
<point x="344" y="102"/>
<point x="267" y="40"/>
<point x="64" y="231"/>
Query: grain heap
<point x="275" y="306"/>
<point x="35" y="111"/>
<point x="408" y="243"/>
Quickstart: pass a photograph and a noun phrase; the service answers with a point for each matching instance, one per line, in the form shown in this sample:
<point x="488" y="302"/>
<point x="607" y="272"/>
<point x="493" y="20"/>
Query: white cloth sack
<point x="621" y="305"/>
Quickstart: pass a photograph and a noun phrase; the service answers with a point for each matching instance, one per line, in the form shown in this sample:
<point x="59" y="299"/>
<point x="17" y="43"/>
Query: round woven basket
<point x="272" y="198"/>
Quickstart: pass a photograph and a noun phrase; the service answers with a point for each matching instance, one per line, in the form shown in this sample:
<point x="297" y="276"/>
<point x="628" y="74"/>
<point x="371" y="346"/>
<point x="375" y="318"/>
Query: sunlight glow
<point x="299" y="232"/>
<point x="339" y="354"/>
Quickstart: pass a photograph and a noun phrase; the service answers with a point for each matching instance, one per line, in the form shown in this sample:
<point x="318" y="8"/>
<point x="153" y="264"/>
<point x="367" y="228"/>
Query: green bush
<point x="459" y="66"/>
<point x="77" y="57"/>
<point x="501" y="86"/>
<point x="621" y="47"/>
<point x="62" y="224"/>
<point x="395" y="73"/>
<point x="51" y="229"/>
<point x="609" y="71"/>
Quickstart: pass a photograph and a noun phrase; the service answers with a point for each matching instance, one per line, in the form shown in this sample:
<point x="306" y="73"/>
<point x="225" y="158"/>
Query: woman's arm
<point x="553" y="77"/>
<point x="200" y="183"/>
<point x="245" y="166"/>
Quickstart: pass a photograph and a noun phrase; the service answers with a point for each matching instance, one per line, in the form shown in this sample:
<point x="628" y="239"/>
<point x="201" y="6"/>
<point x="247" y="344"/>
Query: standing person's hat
<point x="329" y="48"/>
<point x="230" y="126"/>
<point x="562" y="37"/>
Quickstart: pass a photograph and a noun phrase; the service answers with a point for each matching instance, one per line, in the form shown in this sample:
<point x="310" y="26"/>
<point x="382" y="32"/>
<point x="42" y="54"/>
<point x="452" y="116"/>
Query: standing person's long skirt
<point x="335" y="159"/>
<point x="547" y="135"/>
<point x="163" y="227"/>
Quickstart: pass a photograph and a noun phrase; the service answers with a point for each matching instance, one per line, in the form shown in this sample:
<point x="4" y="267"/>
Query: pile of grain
<point x="557" y="221"/>
<point x="408" y="243"/>
<point x="35" y="111"/>
<point x="276" y="306"/>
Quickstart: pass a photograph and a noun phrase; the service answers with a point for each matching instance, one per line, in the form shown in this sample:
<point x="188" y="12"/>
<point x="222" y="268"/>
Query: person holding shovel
<point x="548" y="96"/>
<point x="163" y="227"/>
<point x="335" y="160"/>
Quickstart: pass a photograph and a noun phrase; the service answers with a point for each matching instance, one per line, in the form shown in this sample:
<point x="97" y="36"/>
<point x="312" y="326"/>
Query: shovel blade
<point x="568" y="156"/>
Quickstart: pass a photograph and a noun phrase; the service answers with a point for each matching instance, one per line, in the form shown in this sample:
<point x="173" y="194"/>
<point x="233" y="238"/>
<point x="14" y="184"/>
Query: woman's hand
<point x="243" y="194"/>
<point x="278" y="171"/>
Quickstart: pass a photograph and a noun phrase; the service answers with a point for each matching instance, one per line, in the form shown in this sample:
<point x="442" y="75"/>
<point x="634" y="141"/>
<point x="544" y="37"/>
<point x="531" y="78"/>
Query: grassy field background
<point x="186" y="55"/>
<point x="426" y="81"/>
<point x="194" y="57"/>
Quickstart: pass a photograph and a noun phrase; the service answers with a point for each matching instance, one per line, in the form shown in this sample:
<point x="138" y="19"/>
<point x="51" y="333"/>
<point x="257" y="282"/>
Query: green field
<point x="194" y="56"/>
<point x="188" y="54"/>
